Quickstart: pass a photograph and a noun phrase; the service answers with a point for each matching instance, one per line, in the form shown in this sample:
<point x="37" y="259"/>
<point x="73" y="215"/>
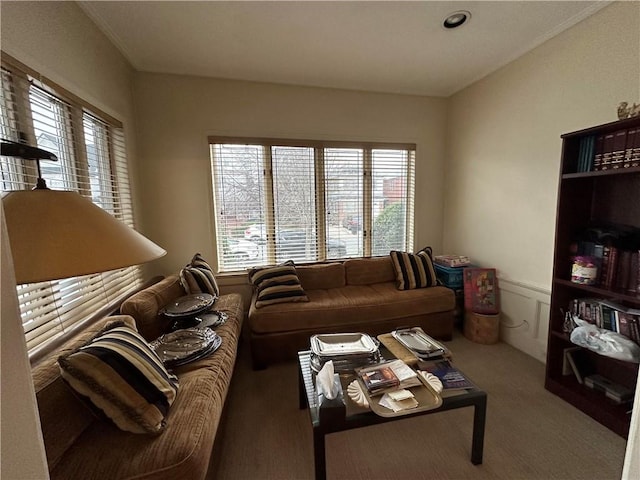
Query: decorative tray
<point x="419" y="343"/>
<point x="425" y="395"/>
<point x="189" y="305"/>
<point x="186" y="345"/>
<point x="339" y="344"/>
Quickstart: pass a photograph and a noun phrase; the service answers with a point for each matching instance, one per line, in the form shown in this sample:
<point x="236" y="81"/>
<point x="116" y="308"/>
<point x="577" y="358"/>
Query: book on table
<point x="388" y="376"/>
<point x="450" y="376"/>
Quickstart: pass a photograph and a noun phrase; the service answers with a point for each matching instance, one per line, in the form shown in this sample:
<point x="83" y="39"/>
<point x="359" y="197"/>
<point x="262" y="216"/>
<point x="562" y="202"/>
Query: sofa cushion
<point x="365" y="271"/>
<point x="145" y="306"/>
<point x="413" y="270"/>
<point x="364" y="304"/>
<point x="198" y="277"/>
<point x="121" y="375"/>
<point x="321" y="276"/>
<point x="279" y="284"/>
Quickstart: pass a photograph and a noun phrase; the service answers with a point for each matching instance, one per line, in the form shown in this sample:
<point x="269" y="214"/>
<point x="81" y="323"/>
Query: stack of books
<point x="608" y="315"/>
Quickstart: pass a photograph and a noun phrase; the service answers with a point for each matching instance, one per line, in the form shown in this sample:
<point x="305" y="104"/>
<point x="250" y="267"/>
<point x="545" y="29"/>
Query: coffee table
<point x="335" y="416"/>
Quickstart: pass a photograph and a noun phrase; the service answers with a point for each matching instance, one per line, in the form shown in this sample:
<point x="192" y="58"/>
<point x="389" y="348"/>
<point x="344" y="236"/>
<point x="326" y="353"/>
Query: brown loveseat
<point x="357" y="295"/>
<point x="81" y="445"/>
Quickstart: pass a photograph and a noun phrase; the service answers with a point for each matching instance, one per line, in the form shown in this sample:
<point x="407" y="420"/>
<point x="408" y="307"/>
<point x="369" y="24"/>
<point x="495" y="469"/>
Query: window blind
<point x="92" y="161"/>
<point x="278" y="200"/>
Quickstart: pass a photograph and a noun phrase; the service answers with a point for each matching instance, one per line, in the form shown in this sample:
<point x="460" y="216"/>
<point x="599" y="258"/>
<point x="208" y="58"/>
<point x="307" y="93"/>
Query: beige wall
<point x="503" y="147"/>
<point x="177" y="113"/>
<point x="58" y="40"/>
<point x="503" y="157"/>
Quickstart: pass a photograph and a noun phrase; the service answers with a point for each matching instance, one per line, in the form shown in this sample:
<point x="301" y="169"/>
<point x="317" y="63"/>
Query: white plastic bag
<point x="605" y="342"/>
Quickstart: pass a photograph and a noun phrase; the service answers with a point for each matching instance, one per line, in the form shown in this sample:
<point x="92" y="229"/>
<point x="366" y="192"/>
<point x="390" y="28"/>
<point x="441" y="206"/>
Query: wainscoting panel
<point x="524" y="319"/>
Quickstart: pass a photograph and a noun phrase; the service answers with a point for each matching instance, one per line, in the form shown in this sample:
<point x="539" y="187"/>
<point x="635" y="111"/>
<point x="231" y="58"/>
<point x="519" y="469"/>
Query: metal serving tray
<point x="419" y="342"/>
<point x="339" y="344"/>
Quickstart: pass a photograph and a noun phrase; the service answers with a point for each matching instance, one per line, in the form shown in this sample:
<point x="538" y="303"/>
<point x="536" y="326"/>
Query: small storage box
<point x="451" y="276"/>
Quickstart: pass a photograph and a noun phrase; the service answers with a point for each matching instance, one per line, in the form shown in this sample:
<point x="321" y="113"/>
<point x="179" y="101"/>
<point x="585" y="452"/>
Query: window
<point x="92" y="161"/>
<point x="307" y="201"/>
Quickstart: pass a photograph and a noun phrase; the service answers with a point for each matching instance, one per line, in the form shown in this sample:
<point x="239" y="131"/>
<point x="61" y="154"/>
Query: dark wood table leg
<point x="319" y="455"/>
<point x="479" y="417"/>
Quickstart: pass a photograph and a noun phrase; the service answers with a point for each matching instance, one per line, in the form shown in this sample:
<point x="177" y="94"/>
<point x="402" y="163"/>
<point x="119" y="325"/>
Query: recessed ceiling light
<point x="456" y="19"/>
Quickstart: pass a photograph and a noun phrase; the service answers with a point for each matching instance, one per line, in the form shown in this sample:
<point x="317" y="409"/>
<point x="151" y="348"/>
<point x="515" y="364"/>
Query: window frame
<point x="52" y="311"/>
<point x="319" y="147"/>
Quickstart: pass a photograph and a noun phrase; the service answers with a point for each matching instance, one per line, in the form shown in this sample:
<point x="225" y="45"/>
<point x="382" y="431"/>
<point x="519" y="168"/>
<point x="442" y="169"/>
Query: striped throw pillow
<point x="279" y="284"/>
<point x="120" y="374"/>
<point x="197" y="277"/>
<point x="413" y="270"/>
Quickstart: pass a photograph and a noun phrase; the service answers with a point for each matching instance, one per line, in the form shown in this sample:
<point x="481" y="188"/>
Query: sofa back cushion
<point x="277" y="284"/>
<point x="198" y="277"/>
<point x="321" y="276"/>
<point x="145" y="305"/>
<point x="367" y="271"/>
<point x="413" y="270"/>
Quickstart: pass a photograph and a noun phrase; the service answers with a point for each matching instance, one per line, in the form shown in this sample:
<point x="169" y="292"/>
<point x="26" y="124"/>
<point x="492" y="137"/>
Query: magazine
<point x="450" y="376"/>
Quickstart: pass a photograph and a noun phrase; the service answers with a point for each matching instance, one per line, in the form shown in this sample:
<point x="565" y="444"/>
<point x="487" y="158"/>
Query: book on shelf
<point x="615" y="250"/>
<point x="607" y="150"/>
<point x="450" y="376"/>
<point x="481" y="290"/>
<point x="635" y="154"/>
<point x="569" y="365"/>
<point x="452" y="260"/>
<point x="616" y="392"/>
<point x="622" y="270"/>
<point x="628" y="153"/>
<point x="619" y="149"/>
<point x="599" y="149"/>
<point x="586" y="154"/>
<point x="608" y="315"/>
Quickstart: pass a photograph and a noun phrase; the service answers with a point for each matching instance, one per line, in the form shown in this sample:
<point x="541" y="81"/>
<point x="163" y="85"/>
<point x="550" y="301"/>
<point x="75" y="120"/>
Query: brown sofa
<point x="357" y="295"/>
<point x="80" y="445"/>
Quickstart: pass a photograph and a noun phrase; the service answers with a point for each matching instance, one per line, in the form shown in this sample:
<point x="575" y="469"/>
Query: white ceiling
<point x="383" y="46"/>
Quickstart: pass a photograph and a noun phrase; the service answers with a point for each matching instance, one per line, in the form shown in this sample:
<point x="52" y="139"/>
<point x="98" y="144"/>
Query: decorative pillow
<point x="279" y="284"/>
<point x="120" y="374"/>
<point x="197" y="277"/>
<point x="413" y="270"/>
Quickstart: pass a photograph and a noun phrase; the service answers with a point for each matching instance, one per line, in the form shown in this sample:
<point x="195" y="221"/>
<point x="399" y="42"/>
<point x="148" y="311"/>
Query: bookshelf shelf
<point x="590" y="197"/>
<point x="601" y="173"/>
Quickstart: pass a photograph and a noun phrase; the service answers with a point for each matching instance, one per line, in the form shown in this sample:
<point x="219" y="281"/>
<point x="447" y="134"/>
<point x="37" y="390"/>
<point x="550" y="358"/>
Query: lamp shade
<point x="59" y="234"/>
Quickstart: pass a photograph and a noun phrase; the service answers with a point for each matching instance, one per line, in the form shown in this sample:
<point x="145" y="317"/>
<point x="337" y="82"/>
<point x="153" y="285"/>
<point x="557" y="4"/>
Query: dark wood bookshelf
<point x="587" y="199"/>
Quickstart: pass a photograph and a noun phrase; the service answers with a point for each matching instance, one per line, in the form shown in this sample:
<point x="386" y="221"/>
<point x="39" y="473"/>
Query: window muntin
<point x="309" y="201"/>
